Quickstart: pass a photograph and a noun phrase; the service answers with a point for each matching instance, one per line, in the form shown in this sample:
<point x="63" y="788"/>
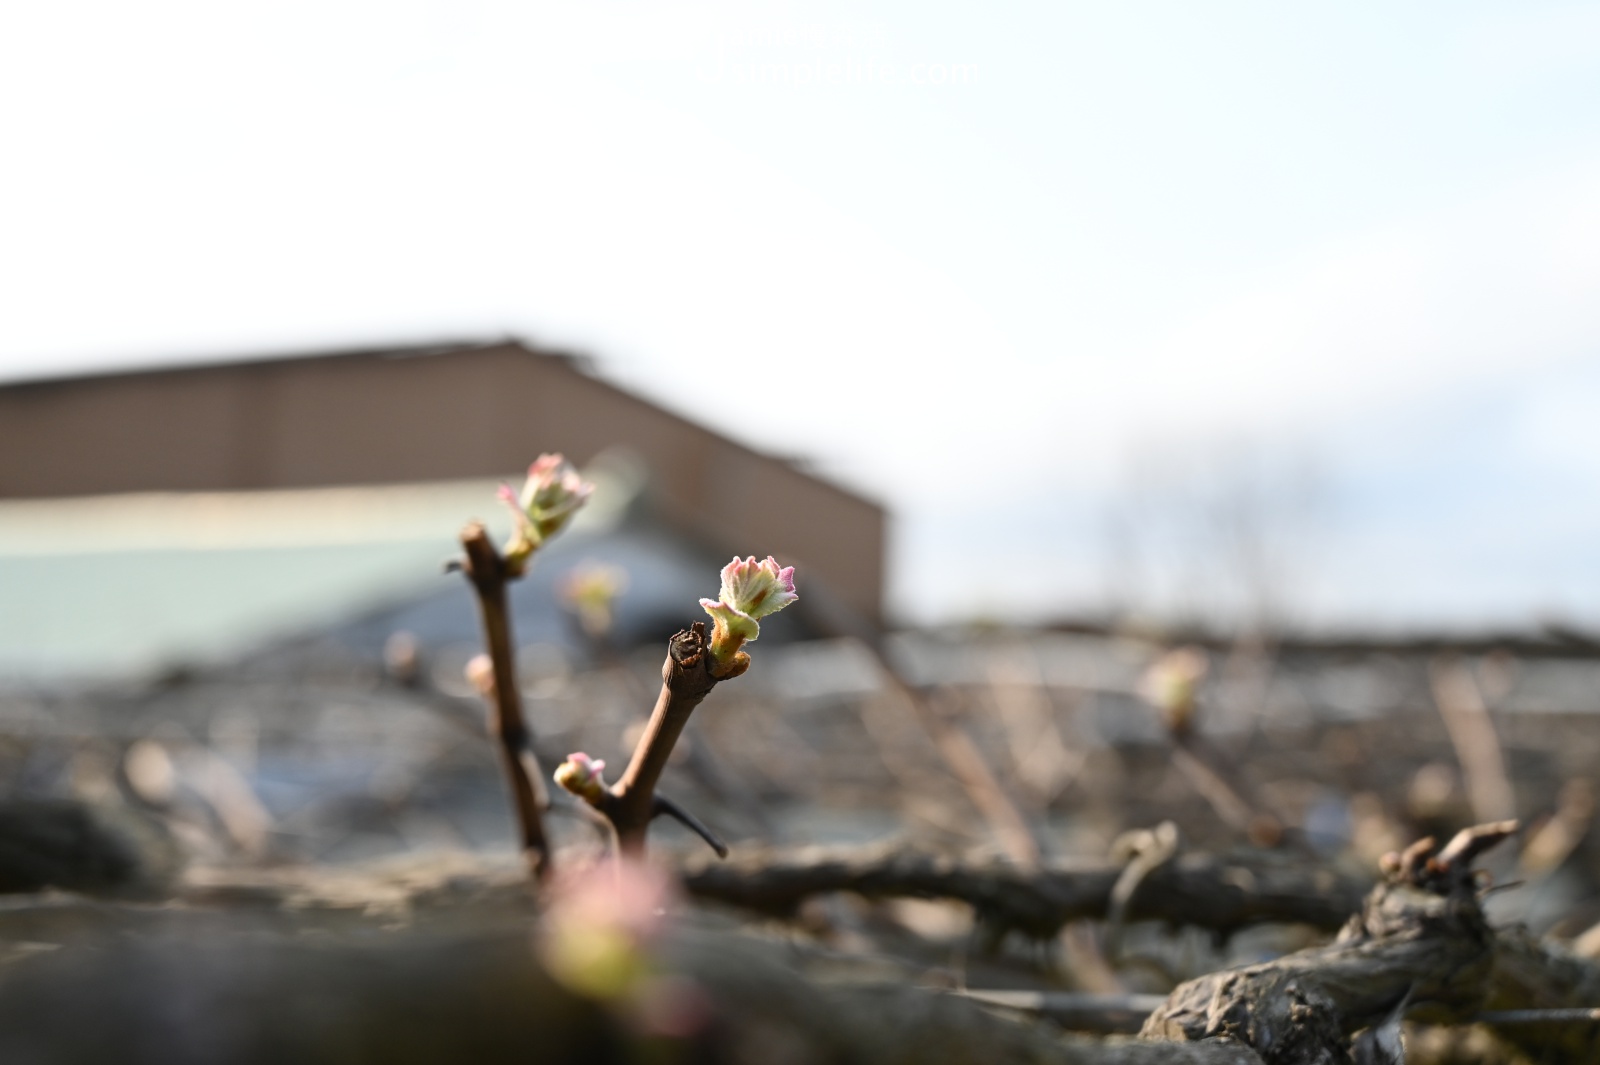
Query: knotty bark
<point x="1421" y="932"/>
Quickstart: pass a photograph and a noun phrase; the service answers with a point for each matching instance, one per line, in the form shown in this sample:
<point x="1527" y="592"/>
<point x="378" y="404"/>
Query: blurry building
<point x="144" y="513"/>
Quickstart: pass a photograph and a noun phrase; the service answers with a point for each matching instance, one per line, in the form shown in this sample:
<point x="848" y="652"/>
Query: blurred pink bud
<point x="581" y="775"/>
<point x="600" y="925"/>
<point x="552" y="493"/>
<point x="750" y="590"/>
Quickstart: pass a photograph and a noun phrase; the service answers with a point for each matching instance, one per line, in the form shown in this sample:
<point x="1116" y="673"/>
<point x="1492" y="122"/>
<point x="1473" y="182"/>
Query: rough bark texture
<point x="1196" y="889"/>
<point x="1528" y="974"/>
<point x="1423" y="933"/>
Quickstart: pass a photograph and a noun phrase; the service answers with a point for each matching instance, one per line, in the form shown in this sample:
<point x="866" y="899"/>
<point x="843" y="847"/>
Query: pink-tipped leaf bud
<point x="750" y="590"/>
<point x="549" y="498"/>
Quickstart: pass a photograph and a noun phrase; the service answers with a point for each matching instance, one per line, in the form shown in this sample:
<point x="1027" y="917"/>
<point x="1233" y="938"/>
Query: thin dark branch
<point x="486" y="572"/>
<point x="1554" y="1016"/>
<point x="688" y="820"/>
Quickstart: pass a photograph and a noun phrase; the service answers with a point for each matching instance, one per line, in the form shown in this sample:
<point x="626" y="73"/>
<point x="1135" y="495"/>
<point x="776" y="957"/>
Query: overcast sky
<point x="1025" y="276"/>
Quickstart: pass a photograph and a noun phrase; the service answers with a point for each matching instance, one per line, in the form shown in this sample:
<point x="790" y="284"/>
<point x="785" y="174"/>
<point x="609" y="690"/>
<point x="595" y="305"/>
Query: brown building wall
<point x="381" y="418"/>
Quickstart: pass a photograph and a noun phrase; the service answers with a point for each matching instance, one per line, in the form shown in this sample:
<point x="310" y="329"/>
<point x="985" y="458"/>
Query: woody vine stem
<point x="696" y="662"/>
<point x="487" y="571"/>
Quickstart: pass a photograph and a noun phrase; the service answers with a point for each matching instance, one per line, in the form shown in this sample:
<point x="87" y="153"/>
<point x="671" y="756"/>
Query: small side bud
<point x="728" y="670"/>
<point x="479" y="672"/>
<point x="581" y="775"/>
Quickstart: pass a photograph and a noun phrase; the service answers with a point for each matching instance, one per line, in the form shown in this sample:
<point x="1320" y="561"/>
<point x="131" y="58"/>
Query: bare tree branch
<point x="1209" y="892"/>
<point x="487" y="573"/>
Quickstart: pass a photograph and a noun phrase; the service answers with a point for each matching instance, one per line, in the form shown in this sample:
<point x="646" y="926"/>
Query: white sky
<point x="1364" y="237"/>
